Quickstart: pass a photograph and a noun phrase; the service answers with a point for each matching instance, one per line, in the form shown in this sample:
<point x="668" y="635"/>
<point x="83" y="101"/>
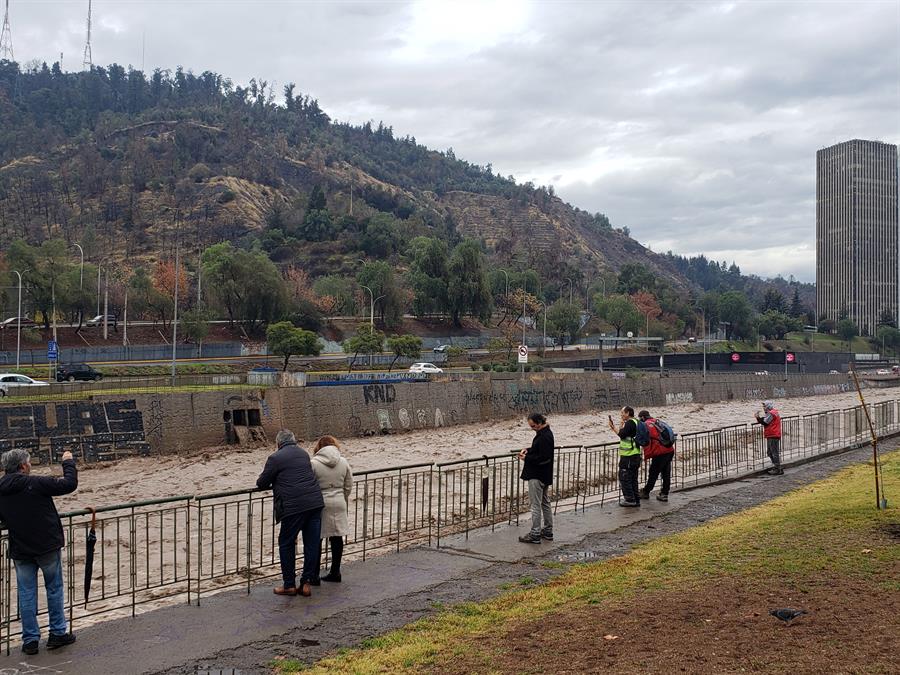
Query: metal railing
<point x="157" y="552"/>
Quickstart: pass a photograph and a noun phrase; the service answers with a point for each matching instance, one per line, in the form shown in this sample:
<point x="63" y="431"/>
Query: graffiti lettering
<point x="379" y="393"/>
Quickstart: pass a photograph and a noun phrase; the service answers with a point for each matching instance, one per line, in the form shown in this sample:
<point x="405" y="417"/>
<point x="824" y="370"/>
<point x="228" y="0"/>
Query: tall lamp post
<point x="544" y="334"/>
<point x="19" y="320"/>
<point x="372" y="312"/>
<point x="80" y="284"/>
<point x="703" y="314"/>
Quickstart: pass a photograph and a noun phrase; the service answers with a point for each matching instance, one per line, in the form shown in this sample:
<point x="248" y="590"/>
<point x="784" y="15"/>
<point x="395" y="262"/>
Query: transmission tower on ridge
<point x="87" y="63"/>
<point x="6" y="48"/>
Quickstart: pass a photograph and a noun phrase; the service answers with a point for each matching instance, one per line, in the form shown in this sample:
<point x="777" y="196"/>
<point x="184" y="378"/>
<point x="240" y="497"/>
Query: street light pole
<point x="175" y="316"/>
<point x="80" y="284"/>
<point x="19" y="321"/>
<point x="703" y="314"/>
<point x="98" y="289"/>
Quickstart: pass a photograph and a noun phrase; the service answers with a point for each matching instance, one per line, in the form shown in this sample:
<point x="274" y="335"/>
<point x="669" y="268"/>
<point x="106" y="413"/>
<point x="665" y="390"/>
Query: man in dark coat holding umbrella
<point x="298" y="505"/>
<point x="35" y="540"/>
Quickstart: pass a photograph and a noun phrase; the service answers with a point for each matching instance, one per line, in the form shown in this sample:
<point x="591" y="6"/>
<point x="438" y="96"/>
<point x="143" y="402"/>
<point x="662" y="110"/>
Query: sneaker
<point x="546" y="535"/>
<point x="663" y="498"/>
<point x="628" y="502"/>
<point x="778" y="471"/>
<point x="645" y="494"/>
<point x="57" y="641"/>
<point x="30" y="648"/>
<point x="332" y="577"/>
<point x="530" y="539"/>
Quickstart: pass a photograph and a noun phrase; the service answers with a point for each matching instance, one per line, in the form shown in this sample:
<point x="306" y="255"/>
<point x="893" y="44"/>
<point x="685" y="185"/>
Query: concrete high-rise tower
<point x="857" y="232"/>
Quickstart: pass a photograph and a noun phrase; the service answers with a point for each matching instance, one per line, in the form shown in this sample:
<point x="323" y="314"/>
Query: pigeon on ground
<point x="786" y="614"/>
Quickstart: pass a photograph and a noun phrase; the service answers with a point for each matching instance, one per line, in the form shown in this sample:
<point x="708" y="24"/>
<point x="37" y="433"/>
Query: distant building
<point x="857" y="232"/>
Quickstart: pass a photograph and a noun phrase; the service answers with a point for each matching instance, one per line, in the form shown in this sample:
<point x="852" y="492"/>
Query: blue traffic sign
<point x="52" y="350"/>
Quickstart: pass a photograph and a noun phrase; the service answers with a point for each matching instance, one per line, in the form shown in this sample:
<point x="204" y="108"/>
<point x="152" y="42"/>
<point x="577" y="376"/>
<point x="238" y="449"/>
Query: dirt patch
<point x="721" y="626"/>
<point x="891" y="530"/>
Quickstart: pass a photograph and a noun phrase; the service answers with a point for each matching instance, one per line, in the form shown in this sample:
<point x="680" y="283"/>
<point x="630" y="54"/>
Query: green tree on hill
<point x="366" y="341"/>
<point x="409" y="346"/>
<point x="846" y="331"/>
<point x="283" y="339"/>
<point x="467" y="286"/>
<point x="619" y="311"/>
<point x="564" y="320"/>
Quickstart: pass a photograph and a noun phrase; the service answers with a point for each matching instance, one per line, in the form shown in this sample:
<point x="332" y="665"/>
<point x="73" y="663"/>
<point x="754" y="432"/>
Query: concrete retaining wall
<point x="177" y="422"/>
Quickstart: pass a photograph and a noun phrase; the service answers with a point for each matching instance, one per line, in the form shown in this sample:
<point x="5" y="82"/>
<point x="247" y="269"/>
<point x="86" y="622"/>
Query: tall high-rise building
<point x="857" y="232"/>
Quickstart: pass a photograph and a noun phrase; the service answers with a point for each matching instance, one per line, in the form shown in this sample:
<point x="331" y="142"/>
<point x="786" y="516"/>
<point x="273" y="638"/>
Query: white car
<point x="424" y="368"/>
<point x="441" y="349"/>
<point x="12" y="381"/>
<point x="883" y="371"/>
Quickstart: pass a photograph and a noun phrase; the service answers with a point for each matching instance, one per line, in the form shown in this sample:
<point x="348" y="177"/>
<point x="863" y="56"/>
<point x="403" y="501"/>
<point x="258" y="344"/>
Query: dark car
<point x="77" y="371"/>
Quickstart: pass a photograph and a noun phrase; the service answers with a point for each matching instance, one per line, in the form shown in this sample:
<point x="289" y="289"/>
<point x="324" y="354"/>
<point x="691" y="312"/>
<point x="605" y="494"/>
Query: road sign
<point x="523" y="354"/>
<point x="52" y="350"/>
<point x="789" y="357"/>
<point x="735" y="357"/>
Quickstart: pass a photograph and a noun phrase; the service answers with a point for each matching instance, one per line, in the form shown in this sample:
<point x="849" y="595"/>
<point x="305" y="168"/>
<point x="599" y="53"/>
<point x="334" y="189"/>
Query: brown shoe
<point x="305" y="589"/>
<point x="281" y="590"/>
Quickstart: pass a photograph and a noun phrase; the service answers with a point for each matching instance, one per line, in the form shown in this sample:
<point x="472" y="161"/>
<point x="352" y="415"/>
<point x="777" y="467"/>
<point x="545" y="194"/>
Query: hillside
<point x="126" y="165"/>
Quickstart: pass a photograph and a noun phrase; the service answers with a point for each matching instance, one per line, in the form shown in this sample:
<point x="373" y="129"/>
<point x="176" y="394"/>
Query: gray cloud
<point x="693" y="123"/>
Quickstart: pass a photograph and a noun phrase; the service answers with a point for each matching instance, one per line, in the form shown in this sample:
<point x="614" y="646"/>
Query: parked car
<point x="98" y="320"/>
<point x="692" y="339"/>
<point x="424" y="368"/>
<point x="9" y="382"/>
<point x="77" y="371"/>
<point x="12" y="322"/>
<point x="440" y="349"/>
<point x="883" y="371"/>
<point x="834" y="372"/>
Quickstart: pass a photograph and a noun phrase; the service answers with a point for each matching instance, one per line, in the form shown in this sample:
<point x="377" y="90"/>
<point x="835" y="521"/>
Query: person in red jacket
<point x="771" y="422"/>
<point x="660" y="460"/>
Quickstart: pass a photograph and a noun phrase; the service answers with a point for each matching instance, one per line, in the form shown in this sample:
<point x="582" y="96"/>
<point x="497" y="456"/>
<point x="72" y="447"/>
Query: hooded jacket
<point x="294" y="486"/>
<point x="336" y="481"/>
<point x="28" y="512"/>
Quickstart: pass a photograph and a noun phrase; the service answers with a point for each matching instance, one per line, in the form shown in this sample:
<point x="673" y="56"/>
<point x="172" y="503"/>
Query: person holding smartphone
<point x="629" y="456"/>
<point x="537" y="470"/>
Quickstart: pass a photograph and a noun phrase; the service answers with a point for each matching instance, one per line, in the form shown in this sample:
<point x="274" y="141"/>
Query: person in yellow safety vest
<point x="629" y="457"/>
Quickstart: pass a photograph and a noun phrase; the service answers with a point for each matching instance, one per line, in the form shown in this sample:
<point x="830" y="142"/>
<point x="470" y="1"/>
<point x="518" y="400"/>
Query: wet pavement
<point x="235" y="633"/>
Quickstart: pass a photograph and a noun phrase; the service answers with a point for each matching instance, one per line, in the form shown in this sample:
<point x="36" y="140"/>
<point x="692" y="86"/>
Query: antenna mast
<point x="87" y="63"/>
<point x="6" y="48"/>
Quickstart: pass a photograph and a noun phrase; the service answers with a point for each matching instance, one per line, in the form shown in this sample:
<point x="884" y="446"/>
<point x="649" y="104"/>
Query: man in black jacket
<point x="35" y="540"/>
<point x="538" y="471"/>
<point x="298" y="507"/>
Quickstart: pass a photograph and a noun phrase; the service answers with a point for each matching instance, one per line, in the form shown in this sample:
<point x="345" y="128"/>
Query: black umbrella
<point x="89" y="556"/>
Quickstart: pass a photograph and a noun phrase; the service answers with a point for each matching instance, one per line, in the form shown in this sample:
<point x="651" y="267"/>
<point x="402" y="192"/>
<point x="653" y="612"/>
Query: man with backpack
<point x="658" y="440"/>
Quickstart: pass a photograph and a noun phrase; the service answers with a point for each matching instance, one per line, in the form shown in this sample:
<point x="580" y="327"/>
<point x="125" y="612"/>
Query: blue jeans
<point x="26" y="580"/>
<point x="310" y="524"/>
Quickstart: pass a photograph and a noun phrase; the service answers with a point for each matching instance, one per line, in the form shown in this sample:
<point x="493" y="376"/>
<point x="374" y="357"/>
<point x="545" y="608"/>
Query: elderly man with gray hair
<point x="35" y="540"/>
<point x="298" y="506"/>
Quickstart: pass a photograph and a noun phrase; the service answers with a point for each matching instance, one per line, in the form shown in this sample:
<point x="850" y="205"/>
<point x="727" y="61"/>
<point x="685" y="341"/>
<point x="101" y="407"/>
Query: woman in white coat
<point x="336" y="481"/>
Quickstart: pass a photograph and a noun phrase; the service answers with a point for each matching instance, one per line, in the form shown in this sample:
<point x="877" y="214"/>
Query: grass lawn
<point x="697" y="601"/>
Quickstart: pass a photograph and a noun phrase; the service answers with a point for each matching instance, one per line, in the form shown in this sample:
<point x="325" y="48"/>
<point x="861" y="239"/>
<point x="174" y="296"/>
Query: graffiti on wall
<point x="93" y="431"/>
<point x="672" y="398"/>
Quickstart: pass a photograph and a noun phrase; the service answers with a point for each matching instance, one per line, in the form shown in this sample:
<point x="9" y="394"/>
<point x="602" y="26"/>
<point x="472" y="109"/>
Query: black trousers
<point x="336" y="544"/>
<point x="661" y="465"/>
<point x="628" y="477"/>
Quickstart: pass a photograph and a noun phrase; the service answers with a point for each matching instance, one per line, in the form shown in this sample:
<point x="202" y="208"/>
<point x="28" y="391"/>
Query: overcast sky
<point x="695" y="124"/>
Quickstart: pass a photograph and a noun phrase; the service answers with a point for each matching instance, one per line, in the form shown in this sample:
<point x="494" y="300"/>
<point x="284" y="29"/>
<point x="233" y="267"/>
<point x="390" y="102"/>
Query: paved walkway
<point x="235" y="633"/>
